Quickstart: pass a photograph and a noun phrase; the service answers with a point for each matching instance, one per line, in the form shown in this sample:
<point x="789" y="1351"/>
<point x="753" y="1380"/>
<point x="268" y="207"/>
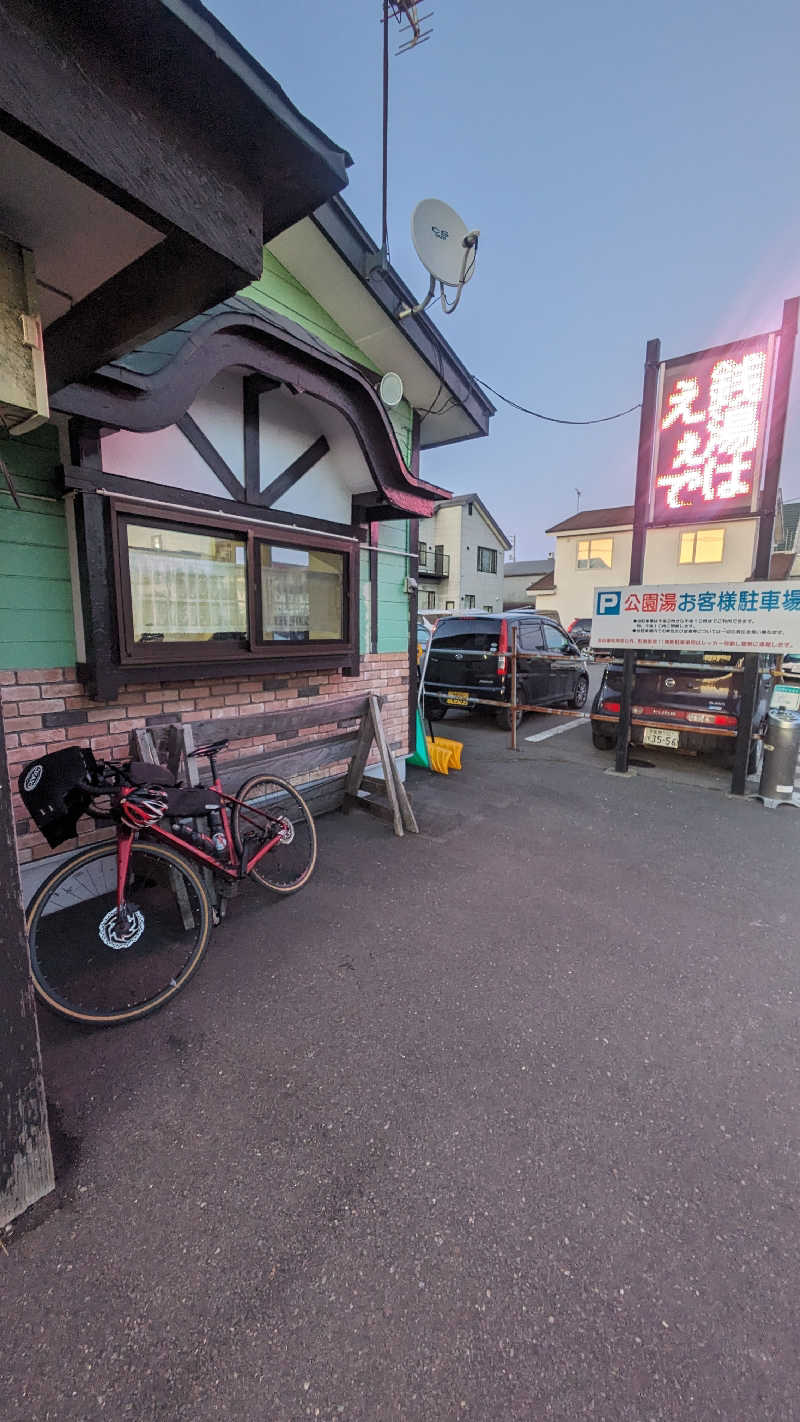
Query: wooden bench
<point x="358" y="721"/>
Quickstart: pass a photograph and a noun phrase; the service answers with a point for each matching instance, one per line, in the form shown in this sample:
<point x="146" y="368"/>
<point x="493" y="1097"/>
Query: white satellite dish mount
<point x="448" y="250"/>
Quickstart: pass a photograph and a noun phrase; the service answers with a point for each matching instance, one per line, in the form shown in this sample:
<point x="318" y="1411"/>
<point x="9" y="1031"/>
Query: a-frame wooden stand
<point x="385" y="798"/>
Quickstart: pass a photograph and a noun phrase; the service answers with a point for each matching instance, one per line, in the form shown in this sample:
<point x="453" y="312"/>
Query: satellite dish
<point x="391" y="389"/>
<point x="440" y="237"/>
<point x="448" y="250"/>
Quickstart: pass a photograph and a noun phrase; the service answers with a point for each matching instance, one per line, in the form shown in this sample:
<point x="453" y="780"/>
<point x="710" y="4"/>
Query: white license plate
<point x="655" y="737"/>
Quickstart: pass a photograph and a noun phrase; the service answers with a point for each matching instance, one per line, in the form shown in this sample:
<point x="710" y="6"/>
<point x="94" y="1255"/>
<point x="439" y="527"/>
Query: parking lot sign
<point x="705" y="617"/>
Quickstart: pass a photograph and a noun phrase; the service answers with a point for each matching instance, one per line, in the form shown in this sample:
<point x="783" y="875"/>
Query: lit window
<point x="487" y="560"/>
<point x="595" y="552"/>
<point x="705" y="545"/>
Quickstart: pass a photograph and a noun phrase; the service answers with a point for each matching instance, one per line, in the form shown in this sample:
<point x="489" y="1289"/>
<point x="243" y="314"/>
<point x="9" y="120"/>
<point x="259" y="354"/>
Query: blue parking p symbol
<point x="608" y="603"/>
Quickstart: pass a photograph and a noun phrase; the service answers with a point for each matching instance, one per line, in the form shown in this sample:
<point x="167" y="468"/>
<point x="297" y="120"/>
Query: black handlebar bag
<point x="52" y="792"/>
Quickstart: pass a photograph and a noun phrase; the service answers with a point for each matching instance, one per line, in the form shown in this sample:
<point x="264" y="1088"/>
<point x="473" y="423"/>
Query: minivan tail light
<point x="502" y="649"/>
<point x="611" y="706"/>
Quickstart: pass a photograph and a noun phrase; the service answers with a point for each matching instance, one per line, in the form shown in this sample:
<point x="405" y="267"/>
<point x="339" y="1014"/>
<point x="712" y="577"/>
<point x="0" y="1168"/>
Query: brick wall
<point x="44" y="710"/>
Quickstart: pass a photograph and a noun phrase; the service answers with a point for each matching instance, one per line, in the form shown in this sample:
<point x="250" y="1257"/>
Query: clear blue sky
<point x="633" y="171"/>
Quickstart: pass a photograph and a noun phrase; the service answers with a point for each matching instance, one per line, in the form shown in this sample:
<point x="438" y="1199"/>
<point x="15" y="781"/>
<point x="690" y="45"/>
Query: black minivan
<point x="469" y="662"/>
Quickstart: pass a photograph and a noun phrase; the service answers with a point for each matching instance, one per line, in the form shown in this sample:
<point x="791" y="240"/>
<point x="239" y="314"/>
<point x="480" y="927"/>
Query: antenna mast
<point x="411" y="22"/>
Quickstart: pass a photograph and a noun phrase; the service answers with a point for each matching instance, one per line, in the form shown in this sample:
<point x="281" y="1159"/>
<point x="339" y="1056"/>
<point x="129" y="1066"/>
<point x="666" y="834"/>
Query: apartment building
<point x="461" y="552"/>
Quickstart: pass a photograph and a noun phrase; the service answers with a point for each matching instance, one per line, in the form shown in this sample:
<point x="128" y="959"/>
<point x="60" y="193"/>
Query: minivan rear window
<point x="467" y="634"/>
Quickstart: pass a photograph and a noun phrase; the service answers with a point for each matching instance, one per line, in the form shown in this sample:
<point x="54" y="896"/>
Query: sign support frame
<point x="766" y="526"/>
<point x="641" y="512"/>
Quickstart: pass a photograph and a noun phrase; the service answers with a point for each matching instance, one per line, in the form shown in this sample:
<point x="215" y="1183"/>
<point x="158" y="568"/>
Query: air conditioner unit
<point x="23" y="380"/>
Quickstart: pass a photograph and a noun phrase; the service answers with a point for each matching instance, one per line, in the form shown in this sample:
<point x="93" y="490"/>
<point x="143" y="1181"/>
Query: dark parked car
<point x="683" y="701"/>
<point x="468" y="661"/>
<point x="580" y="630"/>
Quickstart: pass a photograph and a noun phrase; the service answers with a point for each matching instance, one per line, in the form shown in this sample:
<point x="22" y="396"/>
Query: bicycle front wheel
<point x="91" y="965"/>
<point x="272" y="809"/>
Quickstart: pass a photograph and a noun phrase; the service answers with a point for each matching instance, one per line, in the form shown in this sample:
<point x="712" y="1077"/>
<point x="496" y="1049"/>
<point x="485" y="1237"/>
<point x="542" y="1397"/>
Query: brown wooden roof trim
<point x="142" y="403"/>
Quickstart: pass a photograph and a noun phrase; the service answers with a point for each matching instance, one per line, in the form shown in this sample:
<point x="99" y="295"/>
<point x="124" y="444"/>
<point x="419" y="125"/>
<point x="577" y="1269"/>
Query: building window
<point x="423" y="552"/>
<point x="595" y="552"/>
<point x="487" y="560"/>
<point x="469" y="509"/>
<point x="469" y="600"/>
<point x="704" y="545"/>
<point x="186" y="586"/>
<point x="431" y="596"/>
<point x="487" y="607"/>
<point x="448" y="606"/>
<point x="193" y="590"/>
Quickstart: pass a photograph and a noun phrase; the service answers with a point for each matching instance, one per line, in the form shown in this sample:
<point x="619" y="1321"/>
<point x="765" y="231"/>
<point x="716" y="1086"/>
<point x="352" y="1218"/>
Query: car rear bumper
<point x="475" y="695"/>
<point x="696" y="739"/>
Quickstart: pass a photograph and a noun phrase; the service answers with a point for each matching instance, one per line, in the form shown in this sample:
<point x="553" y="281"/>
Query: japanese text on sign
<point x="710" y="434"/>
<point x="723" y="617"/>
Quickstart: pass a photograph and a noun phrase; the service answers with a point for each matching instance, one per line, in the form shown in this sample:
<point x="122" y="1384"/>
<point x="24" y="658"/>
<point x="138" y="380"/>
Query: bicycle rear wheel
<point x="91" y="966"/>
<point x="271" y="808"/>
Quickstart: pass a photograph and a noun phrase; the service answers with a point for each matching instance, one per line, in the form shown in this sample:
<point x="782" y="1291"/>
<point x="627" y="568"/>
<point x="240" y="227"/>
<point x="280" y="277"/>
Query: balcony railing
<point x="434" y="563"/>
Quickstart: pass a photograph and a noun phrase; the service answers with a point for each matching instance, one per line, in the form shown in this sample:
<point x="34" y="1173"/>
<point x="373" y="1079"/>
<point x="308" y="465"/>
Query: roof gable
<point x="619" y="517"/>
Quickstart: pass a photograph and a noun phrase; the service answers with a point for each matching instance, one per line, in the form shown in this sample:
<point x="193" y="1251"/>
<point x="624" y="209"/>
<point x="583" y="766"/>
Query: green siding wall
<point x="392" y="595"/>
<point x="280" y="291"/>
<point x="36" y="623"/>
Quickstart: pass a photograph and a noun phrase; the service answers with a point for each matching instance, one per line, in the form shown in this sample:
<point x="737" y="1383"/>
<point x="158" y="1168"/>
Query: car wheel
<point x="504" y="718"/>
<point x="580" y="694"/>
<point x="434" y="710"/>
<point x="603" y="740"/>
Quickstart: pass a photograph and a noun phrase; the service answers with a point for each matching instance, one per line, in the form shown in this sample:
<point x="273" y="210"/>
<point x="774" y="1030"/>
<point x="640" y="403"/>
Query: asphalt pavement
<point x="497" y="1122"/>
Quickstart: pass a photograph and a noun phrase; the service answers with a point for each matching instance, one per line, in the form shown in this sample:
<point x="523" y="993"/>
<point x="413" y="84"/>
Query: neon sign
<point x="710" y="436"/>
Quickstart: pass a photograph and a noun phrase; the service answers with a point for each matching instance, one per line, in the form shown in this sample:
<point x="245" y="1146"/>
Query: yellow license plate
<point x="458" y="698"/>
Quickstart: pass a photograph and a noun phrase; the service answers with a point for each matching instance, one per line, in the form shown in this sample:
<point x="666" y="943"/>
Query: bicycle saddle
<point x="211" y="748"/>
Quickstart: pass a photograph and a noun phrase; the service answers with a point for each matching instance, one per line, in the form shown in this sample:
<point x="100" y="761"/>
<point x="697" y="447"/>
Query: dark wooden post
<point x="26" y="1164"/>
<point x="766" y="527"/>
<point x="641" y="512"/>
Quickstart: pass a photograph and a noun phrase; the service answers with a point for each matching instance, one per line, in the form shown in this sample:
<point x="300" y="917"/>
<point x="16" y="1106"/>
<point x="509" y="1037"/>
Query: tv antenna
<point x="446" y="248"/>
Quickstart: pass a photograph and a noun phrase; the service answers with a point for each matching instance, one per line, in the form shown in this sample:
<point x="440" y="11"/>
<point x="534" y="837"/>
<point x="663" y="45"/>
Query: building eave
<point x="387" y="289"/>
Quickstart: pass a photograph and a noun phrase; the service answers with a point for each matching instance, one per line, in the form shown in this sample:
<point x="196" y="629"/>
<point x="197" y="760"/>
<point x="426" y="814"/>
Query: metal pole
<point x="641" y="513"/>
<point x="766" y="527"/>
<point x="384" y="209"/>
<point x="514" y="643"/>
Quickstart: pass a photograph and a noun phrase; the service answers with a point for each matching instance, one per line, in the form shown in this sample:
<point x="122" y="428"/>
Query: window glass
<point x="554" y="640"/>
<point x="708" y="545"/>
<point x="487" y="560"/>
<point x="595" y="552"/>
<point x="186" y="587"/>
<point x="466" y="634"/>
<point x="449" y="604"/>
<point x="301" y="594"/>
<point x="530" y="636"/>
<point x="469" y="600"/>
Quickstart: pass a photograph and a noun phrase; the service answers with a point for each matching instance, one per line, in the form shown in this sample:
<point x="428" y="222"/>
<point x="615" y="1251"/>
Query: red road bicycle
<point x="120" y="927"/>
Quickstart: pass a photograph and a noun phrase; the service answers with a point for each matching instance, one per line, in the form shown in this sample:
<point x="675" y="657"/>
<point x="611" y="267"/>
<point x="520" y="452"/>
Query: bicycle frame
<point x="233" y="868"/>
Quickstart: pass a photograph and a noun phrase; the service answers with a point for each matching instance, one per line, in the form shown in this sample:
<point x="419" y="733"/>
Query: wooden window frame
<point x="252" y="650"/>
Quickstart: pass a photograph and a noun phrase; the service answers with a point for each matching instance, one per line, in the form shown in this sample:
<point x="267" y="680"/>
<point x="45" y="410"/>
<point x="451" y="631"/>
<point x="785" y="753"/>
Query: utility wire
<point x="551" y="419"/>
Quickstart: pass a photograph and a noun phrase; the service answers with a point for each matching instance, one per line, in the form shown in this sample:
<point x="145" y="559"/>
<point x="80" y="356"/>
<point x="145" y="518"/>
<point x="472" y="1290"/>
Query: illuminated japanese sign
<point x="711" y="432"/>
<point x="715" y="617"/>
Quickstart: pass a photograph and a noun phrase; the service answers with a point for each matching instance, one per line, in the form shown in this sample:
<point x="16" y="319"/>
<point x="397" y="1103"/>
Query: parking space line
<point x="556" y="730"/>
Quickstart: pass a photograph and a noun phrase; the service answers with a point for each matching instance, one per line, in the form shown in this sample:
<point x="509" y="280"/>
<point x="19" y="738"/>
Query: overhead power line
<point x="551" y="419"/>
